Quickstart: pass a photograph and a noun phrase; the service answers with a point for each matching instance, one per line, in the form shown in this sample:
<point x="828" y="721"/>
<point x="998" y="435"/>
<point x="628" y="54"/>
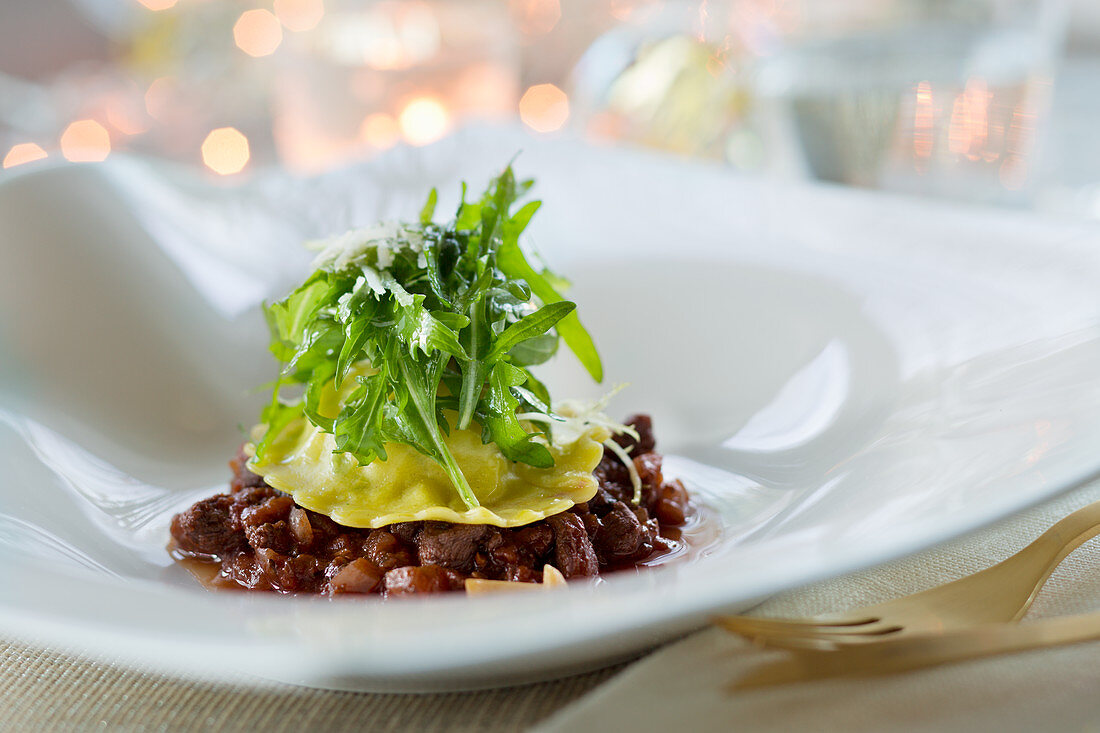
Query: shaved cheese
<point x="339" y="252"/>
<point x="576" y="417"/>
<point x="631" y="469"/>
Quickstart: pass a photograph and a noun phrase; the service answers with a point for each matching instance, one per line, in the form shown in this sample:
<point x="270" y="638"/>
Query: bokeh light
<point x="258" y="32"/>
<point x="299" y="15"/>
<point x="544" y="108"/>
<point x="225" y="151"/>
<point x="923" y="122"/>
<point x="968" y="132"/>
<point x="159" y="96"/>
<point x="424" y="120"/>
<point x="535" y="17"/>
<point x="391" y="36"/>
<point x="23" y="153"/>
<point x="488" y="90"/>
<point x="125" y="113"/>
<point x="379" y="130"/>
<point x="85" y="141"/>
<point x="634" y="10"/>
<point x="158" y="4"/>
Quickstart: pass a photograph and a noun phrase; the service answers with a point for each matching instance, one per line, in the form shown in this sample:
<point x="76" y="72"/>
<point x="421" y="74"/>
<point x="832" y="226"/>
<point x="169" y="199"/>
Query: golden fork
<point x="1000" y="593"/>
<point x="918" y="651"/>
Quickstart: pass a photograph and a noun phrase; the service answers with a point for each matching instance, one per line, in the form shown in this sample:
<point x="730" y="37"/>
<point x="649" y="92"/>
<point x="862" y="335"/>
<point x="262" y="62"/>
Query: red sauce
<point x="255" y="537"/>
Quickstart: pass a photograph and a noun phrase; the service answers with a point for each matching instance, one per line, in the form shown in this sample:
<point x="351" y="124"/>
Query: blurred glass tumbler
<point x="921" y="96"/>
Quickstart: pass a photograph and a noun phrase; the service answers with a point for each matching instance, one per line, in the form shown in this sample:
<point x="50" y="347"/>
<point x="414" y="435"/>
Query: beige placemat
<point x="684" y="687"/>
<point x="679" y="688"/>
<point x="46" y="691"/>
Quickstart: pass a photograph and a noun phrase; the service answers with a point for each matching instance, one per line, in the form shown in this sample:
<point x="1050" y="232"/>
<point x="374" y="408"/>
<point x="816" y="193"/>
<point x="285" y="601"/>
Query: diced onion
<point x="551" y="578"/>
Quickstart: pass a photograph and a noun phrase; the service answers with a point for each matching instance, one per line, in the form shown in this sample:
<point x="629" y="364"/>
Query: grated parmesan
<point x="576" y="418"/>
<point x="342" y="250"/>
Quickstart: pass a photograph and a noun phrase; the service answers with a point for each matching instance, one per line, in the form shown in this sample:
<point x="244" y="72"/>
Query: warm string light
<point x="401" y="36"/>
<point x="258" y="32"/>
<point x="423" y="120"/>
<point x="225" y="151"/>
<point x="23" y="153"/>
<point x="85" y="141"/>
<point x="544" y="108"/>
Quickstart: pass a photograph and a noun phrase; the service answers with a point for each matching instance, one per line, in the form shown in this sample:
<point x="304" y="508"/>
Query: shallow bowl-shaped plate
<point x="840" y="377"/>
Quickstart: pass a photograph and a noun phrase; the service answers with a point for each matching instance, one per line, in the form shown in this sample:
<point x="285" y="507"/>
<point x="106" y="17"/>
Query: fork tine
<point x="798" y="626"/>
<point x="823" y="642"/>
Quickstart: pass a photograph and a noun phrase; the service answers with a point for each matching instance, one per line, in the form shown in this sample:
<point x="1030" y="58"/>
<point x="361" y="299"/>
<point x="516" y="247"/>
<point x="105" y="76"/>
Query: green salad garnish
<point x="449" y="316"/>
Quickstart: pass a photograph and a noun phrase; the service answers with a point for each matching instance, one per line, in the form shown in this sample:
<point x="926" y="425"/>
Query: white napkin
<point x="683" y="687"/>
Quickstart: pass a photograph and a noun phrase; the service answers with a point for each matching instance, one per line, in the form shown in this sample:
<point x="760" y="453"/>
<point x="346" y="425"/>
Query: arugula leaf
<point x="449" y="317"/>
<point x="358" y="430"/>
<point x="514" y="264"/>
<point x="529" y="327"/>
<point x="535" y="351"/>
<point x="429" y="207"/>
<point x="504" y="427"/>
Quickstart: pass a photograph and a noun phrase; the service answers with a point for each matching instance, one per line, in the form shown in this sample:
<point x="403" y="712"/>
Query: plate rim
<point x="920" y="536"/>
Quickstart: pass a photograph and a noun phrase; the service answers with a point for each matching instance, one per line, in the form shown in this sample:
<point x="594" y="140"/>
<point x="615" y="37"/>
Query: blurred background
<point x="985" y="101"/>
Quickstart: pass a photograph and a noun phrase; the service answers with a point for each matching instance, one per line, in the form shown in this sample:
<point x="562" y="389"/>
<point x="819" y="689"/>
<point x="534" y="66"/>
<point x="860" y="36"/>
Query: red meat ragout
<point x="259" y="539"/>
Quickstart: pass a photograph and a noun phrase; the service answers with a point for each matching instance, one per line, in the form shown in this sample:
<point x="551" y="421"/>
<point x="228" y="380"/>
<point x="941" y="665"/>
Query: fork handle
<point x="1048" y="550"/>
<point x="925" y="650"/>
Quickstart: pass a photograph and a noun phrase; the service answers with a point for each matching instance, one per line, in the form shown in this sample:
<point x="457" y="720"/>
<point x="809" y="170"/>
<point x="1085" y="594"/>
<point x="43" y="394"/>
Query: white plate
<point x="844" y="377"/>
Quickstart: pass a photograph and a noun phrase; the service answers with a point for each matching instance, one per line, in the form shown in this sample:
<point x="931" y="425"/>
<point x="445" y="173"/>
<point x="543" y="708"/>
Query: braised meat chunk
<point x="262" y="540"/>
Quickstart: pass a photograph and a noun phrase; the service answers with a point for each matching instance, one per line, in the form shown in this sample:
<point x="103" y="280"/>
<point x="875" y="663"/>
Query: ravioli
<point x="409" y="486"/>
